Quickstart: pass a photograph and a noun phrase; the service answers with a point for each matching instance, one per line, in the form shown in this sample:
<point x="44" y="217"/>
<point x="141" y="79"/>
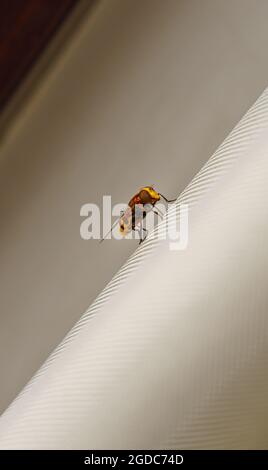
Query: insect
<point x="139" y="205"/>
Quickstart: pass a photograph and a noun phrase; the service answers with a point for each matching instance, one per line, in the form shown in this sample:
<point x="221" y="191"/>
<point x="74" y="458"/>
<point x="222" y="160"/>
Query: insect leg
<point x="146" y="233"/>
<point x="140" y="233"/>
<point x="136" y="229"/>
<point x="167" y="200"/>
<point x="112" y="227"/>
<point x="157" y="212"/>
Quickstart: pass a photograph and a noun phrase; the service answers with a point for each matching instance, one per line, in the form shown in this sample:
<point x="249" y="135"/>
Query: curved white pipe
<point x="174" y="352"/>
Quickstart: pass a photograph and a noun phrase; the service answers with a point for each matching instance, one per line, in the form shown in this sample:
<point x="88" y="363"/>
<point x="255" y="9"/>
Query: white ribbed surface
<point x="174" y="352"/>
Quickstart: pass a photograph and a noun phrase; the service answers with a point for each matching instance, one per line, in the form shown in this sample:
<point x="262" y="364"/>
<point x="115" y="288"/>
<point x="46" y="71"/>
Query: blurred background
<point x="102" y="97"/>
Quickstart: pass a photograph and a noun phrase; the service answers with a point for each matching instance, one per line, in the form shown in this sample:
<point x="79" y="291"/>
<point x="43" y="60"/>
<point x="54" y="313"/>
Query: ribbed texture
<point x="173" y="353"/>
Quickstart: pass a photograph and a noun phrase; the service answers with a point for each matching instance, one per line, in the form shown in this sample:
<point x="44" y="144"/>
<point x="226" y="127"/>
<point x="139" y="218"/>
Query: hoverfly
<point x="139" y="205"/>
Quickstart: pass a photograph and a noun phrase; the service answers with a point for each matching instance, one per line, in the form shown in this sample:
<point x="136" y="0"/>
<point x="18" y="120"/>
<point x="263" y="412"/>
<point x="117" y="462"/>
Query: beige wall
<point x="144" y="94"/>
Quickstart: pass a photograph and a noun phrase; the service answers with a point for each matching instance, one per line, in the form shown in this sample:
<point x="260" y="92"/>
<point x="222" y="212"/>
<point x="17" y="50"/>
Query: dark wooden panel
<point x="26" y="26"/>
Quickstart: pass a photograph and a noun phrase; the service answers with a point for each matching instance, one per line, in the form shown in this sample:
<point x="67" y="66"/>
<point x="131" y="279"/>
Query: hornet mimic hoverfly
<point x="139" y="205"/>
